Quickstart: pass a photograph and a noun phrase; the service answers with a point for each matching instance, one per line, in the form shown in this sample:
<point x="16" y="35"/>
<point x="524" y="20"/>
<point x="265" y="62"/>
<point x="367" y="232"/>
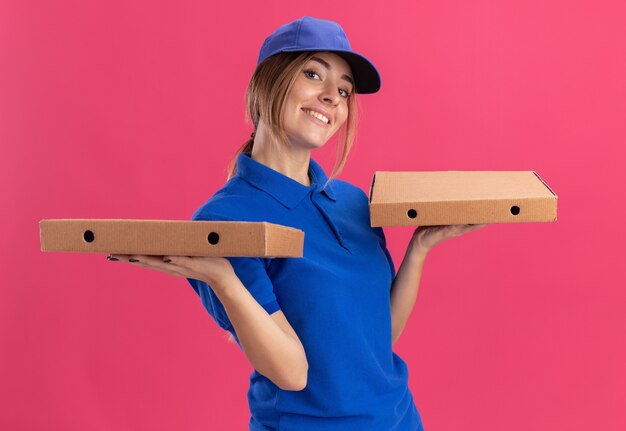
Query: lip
<point x="320" y="111"/>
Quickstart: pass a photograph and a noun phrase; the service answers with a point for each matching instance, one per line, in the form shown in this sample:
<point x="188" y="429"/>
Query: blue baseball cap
<point x="313" y="34"/>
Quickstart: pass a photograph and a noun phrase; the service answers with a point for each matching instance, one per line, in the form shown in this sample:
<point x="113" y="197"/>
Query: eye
<point x="311" y="74"/>
<point x="308" y="74"/>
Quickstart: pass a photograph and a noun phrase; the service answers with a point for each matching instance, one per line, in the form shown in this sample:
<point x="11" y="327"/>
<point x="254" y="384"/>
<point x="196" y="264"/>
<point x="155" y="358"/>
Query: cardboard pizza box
<point x="171" y="237"/>
<point x="459" y="197"/>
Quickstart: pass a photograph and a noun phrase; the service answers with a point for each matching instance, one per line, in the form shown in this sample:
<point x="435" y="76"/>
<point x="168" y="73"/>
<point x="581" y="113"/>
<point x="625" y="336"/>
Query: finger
<point x="472" y="227"/>
<point x="199" y="266"/>
<point x="178" y="260"/>
<point x="476" y="226"/>
<point x="118" y="257"/>
<point x="186" y="263"/>
<point x="157" y="263"/>
<point x="144" y="261"/>
<point x="149" y="261"/>
<point x="459" y="229"/>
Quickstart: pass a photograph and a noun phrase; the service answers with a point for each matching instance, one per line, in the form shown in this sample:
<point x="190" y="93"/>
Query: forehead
<point x="336" y="62"/>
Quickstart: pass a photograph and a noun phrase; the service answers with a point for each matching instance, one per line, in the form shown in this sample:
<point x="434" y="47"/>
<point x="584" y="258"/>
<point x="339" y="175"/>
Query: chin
<point x="310" y="143"/>
<point x="316" y="144"/>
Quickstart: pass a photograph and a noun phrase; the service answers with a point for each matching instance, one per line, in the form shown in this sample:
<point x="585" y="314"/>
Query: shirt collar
<point x="287" y="191"/>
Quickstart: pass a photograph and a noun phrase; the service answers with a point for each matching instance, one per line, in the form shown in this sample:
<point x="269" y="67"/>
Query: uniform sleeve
<point x="383" y="245"/>
<point x="253" y="275"/>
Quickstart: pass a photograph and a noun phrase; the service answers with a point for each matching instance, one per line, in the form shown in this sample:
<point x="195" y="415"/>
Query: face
<point x="317" y="104"/>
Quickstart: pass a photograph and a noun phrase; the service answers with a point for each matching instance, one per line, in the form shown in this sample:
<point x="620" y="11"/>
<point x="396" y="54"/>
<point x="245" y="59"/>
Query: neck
<point x="291" y="162"/>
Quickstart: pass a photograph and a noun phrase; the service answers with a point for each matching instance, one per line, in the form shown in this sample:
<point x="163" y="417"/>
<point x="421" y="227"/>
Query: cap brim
<point x="366" y="77"/>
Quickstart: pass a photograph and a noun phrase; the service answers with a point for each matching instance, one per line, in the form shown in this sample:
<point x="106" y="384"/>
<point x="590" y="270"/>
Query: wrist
<point x="216" y="283"/>
<point x="219" y="274"/>
<point x="417" y="251"/>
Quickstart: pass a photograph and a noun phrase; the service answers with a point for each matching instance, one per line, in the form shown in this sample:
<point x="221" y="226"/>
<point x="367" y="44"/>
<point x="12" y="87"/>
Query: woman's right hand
<point x="212" y="270"/>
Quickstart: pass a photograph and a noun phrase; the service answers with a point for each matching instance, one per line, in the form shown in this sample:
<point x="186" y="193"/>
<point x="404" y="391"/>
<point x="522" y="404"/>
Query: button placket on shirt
<point x="333" y="227"/>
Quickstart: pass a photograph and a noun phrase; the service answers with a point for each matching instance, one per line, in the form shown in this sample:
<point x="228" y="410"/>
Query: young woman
<point x="318" y="330"/>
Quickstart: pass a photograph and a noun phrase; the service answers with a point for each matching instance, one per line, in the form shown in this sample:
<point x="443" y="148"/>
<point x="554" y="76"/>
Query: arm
<point x="404" y="288"/>
<point x="406" y="283"/>
<point x="269" y="342"/>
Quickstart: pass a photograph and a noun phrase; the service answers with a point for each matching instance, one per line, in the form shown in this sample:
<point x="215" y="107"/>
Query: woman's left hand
<point x="426" y="237"/>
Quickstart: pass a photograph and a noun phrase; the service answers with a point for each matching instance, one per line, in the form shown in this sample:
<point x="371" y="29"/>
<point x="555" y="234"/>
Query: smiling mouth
<point x="317" y="115"/>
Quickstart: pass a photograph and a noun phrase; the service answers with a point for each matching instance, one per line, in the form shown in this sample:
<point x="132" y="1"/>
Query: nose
<point x="330" y="94"/>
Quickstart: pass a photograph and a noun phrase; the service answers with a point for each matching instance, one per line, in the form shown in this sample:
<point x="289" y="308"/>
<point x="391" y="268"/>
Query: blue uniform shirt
<point x="336" y="297"/>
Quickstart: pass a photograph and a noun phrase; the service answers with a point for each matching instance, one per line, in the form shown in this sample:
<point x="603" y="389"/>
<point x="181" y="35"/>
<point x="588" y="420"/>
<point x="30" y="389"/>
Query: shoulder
<point x="349" y="193"/>
<point x="351" y="202"/>
<point x="236" y="200"/>
<point x="347" y="189"/>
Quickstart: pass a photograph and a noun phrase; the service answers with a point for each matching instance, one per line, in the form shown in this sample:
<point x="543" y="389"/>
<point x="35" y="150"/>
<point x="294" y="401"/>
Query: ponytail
<point x="245" y="148"/>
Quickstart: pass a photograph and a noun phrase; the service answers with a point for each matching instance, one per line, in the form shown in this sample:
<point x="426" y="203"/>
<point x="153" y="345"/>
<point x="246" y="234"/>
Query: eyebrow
<point x="327" y="66"/>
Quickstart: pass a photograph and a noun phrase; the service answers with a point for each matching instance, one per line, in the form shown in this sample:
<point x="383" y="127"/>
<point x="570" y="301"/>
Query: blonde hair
<point x="265" y="98"/>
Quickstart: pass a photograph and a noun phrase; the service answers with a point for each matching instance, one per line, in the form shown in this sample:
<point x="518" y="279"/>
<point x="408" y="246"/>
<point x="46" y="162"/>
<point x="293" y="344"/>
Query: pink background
<point x="117" y="109"/>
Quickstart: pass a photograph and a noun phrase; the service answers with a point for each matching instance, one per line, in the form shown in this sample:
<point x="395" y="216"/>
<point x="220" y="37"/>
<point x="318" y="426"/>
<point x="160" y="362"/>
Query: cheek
<point x="290" y="111"/>
<point x="342" y="116"/>
<point x="299" y="92"/>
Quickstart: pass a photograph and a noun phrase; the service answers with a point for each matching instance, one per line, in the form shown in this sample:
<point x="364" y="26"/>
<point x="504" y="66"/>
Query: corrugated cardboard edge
<point x="275" y="234"/>
<point x="544" y="183"/>
<point x="40" y="236"/>
<point x="372" y="186"/>
<point x="266" y="239"/>
<point x="551" y="191"/>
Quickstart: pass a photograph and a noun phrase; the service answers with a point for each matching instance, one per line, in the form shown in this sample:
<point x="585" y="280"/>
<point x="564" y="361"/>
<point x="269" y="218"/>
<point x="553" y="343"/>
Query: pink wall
<point x="117" y="109"/>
